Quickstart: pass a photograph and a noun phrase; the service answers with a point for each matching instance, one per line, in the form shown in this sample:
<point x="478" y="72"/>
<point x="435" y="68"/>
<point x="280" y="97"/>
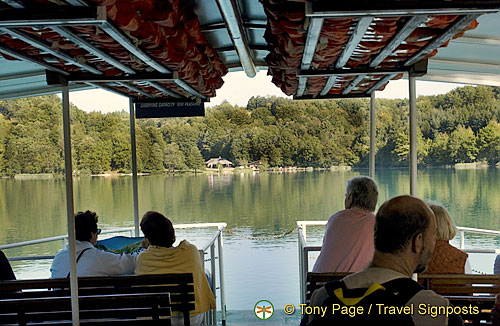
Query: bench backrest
<point x="466" y="290"/>
<point x="131" y="295"/>
<point x="461" y="284"/>
<point x="463" y="290"/>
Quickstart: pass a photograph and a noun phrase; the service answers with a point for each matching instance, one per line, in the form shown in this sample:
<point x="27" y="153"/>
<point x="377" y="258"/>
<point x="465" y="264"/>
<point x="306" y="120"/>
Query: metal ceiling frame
<point x="67" y="16"/>
<point x="400" y="36"/>
<point x="365" y="12"/>
<point x="356" y="37"/>
<point x="249" y="27"/>
<point x="451" y="31"/>
<point x="98" y="18"/>
<point x="232" y="19"/>
<point x="23" y="57"/>
<point x="45" y="46"/>
<point x="337" y="9"/>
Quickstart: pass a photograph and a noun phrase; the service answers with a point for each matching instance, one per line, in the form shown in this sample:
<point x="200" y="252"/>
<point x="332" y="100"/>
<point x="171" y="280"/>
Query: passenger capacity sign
<point x="169" y="109"/>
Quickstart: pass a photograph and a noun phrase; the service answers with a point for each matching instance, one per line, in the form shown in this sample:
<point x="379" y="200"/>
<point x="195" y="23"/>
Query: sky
<point x="238" y="89"/>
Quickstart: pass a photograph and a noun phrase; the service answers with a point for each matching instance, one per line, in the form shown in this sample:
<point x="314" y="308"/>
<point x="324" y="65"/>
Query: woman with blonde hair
<point x="446" y="259"/>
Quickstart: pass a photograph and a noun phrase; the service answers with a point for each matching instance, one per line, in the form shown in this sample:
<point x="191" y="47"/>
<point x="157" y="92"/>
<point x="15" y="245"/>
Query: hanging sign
<point x="169" y="109"/>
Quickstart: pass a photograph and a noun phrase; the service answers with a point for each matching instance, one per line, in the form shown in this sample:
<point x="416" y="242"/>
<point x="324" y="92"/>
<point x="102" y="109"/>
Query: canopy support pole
<point x="70" y="210"/>
<point x="372" y="135"/>
<point x="413" y="136"/>
<point x="134" y="167"/>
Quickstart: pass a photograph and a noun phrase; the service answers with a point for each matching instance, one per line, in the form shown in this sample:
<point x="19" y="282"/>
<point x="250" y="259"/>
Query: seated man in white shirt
<point x="90" y="260"/>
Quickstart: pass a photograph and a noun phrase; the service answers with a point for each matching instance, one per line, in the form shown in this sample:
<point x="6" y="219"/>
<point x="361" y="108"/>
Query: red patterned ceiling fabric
<point x="168" y="31"/>
<point x="287" y="37"/>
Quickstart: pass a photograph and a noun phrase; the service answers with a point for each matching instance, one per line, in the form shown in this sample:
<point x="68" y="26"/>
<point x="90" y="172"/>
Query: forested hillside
<point x="460" y="126"/>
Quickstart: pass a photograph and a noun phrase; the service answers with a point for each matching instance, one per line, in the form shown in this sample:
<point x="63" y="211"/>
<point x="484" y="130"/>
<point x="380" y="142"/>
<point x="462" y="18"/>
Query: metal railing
<point x="62" y="238"/>
<point x="304" y="249"/>
<point x="208" y="249"/>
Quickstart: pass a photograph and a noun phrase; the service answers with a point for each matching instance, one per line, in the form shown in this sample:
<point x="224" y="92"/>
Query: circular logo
<point x="289" y="309"/>
<point x="263" y="309"/>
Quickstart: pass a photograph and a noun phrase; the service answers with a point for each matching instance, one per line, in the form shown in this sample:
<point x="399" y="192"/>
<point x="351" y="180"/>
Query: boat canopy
<point x="175" y="50"/>
<point x="180" y="50"/>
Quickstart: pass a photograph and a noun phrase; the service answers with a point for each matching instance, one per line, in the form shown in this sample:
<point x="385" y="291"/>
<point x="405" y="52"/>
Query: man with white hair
<point x="348" y="241"/>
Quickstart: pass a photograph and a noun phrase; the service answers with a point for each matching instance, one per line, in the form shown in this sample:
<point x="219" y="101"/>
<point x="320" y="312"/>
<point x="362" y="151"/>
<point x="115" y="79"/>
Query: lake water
<point x="257" y="205"/>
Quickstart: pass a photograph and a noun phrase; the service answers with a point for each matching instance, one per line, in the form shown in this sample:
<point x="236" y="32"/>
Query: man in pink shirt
<point x="348" y="241"/>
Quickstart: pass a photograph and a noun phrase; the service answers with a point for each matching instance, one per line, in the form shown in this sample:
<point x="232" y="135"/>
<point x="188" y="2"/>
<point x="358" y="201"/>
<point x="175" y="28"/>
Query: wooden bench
<point x="462" y="290"/>
<point x="120" y="300"/>
<point x="465" y="290"/>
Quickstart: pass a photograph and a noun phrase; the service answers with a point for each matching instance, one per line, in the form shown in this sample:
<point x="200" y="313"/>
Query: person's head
<point x="158" y="229"/>
<point x="361" y="192"/>
<point x="446" y="229"/>
<point x="406" y="226"/>
<point x="86" y="226"/>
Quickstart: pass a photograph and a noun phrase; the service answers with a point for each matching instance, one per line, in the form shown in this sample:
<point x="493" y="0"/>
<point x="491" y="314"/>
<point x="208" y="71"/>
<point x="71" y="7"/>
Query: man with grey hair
<point x="348" y="241"/>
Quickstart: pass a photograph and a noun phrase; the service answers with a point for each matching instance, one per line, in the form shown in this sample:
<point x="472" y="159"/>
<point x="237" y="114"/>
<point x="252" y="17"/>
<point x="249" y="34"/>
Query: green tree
<point x="174" y="158"/>
<point x="488" y="140"/>
<point x="194" y="160"/>
<point x="439" y="153"/>
<point x="462" y="145"/>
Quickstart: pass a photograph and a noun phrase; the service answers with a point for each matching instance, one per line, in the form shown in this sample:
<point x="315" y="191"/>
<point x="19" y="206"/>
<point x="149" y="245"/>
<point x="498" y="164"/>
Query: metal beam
<point x="331" y="96"/>
<point x="14" y="3"/>
<point x="353" y="84"/>
<point x="477" y="40"/>
<point x="255" y="47"/>
<point x="313" y="32"/>
<point x="360" y="8"/>
<point x="221" y="26"/>
<point x="357" y="35"/>
<point x="38" y="91"/>
<point x="487" y="79"/>
<point x="133" y="150"/>
<point x="351" y="72"/>
<point x="92" y="49"/>
<point x="77" y="3"/>
<point x="328" y="85"/>
<point x="182" y="84"/>
<point x="46" y="47"/>
<point x="23" y="57"/>
<point x="110" y="89"/>
<point x="401" y="35"/>
<point x="67" y="16"/>
<point x="302" y="86"/>
<point x="373" y="135"/>
<point x="413" y="136"/>
<point x="451" y="31"/>
<point x="232" y="18"/>
<point x="134" y="89"/>
<point x="132" y="48"/>
<point x="463" y="64"/>
<point x="381" y="82"/>
<point x="70" y="210"/>
<point x="22" y="75"/>
<point x="135" y="77"/>
<point x="164" y="89"/>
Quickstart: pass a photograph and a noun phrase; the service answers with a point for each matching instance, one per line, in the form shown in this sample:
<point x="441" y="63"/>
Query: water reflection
<point x="257" y="205"/>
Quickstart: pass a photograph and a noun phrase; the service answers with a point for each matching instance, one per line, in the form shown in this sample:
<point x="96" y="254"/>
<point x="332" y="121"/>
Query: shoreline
<point x="238" y="170"/>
